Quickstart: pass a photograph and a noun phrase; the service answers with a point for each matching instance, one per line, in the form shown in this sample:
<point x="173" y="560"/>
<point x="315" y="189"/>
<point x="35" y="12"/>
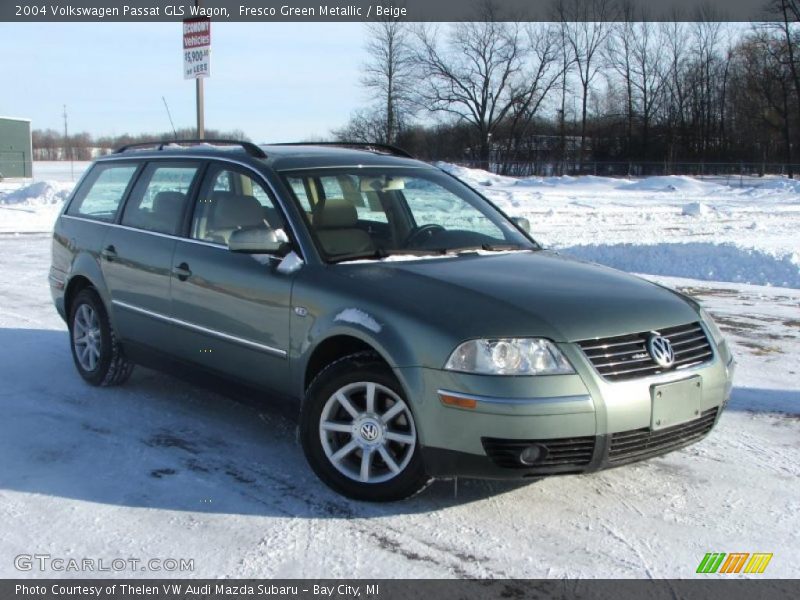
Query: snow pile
<point x="37" y="194"/>
<point x="711" y="262"/>
<point x="696" y="209"/>
<point x="672" y="183"/>
<point x="476" y="177"/>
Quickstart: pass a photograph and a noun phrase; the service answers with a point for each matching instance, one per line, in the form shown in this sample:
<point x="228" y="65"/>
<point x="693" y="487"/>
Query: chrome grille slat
<point x="602" y="346"/>
<point x="636" y="370"/>
<point x="619" y="357"/>
<point x="625" y="362"/>
<point x="694" y="339"/>
<point x="614" y="354"/>
<point x="692" y="349"/>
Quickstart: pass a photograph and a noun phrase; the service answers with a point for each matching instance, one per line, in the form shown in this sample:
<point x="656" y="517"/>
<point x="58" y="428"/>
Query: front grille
<point x="644" y="443"/>
<point x="561" y="452"/>
<point x="626" y="356"/>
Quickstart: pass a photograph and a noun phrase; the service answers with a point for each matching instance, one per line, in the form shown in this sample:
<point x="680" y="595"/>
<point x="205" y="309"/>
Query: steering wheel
<point x="421" y="234"/>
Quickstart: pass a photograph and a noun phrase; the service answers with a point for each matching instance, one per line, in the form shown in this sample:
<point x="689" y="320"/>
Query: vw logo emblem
<point x="661" y="350"/>
<point x="369" y="431"/>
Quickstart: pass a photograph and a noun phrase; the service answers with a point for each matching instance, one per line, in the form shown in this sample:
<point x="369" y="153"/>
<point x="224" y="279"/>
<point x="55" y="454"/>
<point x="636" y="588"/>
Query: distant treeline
<point x="599" y="83"/>
<point x="49" y="144"/>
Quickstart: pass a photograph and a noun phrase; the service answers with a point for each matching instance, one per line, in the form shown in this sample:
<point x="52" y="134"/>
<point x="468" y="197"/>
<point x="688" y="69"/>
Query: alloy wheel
<point x="86" y="337"/>
<point x="367" y="432"/>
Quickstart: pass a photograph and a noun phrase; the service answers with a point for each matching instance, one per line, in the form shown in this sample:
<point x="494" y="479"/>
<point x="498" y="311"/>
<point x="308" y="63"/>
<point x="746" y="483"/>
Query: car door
<point x="235" y="307"/>
<point x="137" y="253"/>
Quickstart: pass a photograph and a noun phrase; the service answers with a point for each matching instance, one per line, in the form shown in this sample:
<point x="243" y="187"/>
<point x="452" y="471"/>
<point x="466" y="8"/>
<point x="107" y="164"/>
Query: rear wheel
<point x="358" y="431"/>
<point x="96" y="351"/>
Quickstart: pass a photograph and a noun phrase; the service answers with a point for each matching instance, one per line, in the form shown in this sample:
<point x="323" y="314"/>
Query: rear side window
<point x="102" y="192"/>
<point x="158" y="202"/>
<point x="231" y="199"/>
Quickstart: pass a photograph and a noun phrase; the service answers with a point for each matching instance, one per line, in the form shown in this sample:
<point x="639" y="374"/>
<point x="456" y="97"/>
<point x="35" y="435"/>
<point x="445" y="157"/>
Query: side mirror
<point x="522" y="223"/>
<point x="258" y="240"/>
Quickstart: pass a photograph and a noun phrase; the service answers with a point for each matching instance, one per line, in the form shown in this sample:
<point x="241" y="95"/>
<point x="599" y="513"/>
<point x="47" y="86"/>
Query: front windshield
<point x="375" y="212"/>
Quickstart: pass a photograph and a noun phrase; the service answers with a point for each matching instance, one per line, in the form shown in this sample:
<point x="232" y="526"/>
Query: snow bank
<point x="476" y="177"/>
<point x="696" y="209"/>
<point x="37" y="194"/>
<point x="713" y="262"/>
<point x="671" y="183"/>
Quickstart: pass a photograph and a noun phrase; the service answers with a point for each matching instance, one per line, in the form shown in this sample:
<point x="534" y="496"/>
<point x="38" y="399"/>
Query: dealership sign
<point x="196" y="48"/>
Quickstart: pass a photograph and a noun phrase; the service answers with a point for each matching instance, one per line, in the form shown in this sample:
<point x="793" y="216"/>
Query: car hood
<point x="520" y="294"/>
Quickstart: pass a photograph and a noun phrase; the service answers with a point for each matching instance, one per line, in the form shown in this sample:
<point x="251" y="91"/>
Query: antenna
<point x="174" y="131"/>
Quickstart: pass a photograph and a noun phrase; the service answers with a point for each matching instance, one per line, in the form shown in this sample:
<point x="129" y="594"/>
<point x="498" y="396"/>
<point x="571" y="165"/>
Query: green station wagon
<point x="422" y="332"/>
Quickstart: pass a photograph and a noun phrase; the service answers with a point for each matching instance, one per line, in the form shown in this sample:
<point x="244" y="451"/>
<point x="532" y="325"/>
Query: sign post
<point x="196" y="61"/>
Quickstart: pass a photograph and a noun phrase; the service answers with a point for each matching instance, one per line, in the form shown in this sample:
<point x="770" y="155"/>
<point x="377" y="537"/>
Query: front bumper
<point x="584" y="422"/>
<point x="566" y="456"/>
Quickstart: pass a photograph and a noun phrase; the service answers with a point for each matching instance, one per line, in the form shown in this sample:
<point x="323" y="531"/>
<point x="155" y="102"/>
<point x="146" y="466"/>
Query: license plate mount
<point x="676" y="402"/>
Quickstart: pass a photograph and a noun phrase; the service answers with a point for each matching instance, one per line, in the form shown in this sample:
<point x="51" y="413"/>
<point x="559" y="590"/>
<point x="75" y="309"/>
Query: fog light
<point x="532" y="454"/>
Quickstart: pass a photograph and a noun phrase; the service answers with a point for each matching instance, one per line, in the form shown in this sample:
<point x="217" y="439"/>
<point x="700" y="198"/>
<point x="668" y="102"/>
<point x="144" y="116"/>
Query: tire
<point x="96" y="351"/>
<point x="360" y="431"/>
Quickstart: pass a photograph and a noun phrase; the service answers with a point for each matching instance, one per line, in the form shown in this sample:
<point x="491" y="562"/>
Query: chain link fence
<point x="634" y="169"/>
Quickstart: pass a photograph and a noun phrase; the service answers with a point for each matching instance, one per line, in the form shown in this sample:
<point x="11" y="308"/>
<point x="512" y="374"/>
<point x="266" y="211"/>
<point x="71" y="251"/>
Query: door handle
<point x="182" y="271"/>
<point x="109" y="253"/>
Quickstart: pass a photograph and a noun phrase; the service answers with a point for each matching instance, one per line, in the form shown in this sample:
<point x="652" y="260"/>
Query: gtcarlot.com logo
<point x="47" y="562"/>
<point x="735" y="562"/>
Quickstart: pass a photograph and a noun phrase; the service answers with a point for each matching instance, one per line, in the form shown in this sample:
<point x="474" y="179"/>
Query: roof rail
<point x="377" y="148"/>
<point x="248" y="147"/>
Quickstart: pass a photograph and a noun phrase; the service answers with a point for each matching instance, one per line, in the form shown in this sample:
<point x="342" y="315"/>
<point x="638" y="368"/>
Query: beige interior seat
<point x="231" y="211"/>
<point x="164" y="216"/>
<point x="336" y="225"/>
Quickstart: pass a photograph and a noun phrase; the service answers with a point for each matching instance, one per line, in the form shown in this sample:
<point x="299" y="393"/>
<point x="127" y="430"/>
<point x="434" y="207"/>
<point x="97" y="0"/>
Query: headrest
<point x="231" y="210"/>
<point x="336" y="214"/>
<point x="168" y="202"/>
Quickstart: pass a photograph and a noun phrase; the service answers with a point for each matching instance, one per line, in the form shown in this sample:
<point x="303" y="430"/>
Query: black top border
<point x="370" y="10"/>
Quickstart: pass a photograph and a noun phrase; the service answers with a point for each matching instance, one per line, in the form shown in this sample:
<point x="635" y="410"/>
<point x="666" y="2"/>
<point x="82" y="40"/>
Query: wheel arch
<point x="73" y="288"/>
<point x="86" y="272"/>
<point x="335" y="347"/>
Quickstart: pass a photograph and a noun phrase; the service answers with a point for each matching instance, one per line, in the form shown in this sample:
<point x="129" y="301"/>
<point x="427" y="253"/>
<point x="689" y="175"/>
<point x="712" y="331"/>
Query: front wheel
<point x="358" y="431"/>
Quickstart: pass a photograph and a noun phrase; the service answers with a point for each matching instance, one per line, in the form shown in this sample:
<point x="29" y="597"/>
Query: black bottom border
<point x="724" y="587"/>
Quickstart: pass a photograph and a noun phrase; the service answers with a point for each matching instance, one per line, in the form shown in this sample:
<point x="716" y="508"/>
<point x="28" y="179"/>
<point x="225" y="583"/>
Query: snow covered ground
<point x="163" y="468"/>
<point x="720" y="229"/>
<point x="31" y="207"/>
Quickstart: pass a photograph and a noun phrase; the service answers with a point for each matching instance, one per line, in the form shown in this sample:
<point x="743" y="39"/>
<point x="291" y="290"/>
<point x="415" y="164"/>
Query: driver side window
<point x="231" y="199"/>
<point x="433" y="206"/>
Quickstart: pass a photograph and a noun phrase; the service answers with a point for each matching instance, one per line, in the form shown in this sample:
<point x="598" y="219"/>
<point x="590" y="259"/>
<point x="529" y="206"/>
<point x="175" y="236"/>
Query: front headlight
<point x="509" y="356"/>
<point x="713" y="328"/>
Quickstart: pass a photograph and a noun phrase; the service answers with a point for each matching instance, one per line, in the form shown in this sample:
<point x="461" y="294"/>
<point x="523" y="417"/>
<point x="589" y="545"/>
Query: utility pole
<point x="201" y="125"/>
<point x="66" y="146"/>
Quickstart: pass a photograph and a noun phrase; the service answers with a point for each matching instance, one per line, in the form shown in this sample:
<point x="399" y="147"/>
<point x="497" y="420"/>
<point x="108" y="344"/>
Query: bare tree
<point x="789" y="12"/>
<point x="475" y="75"/>
<point x="365" y="125"/>
<point x="388" y="75"/>
<point x="586" y="27"/>
<point x="767" y="79"/>
<point x="619" y="56"/>
<point x="675" y="35"/>
<point x="635" y="54"/>
<point x="541" y="73"/>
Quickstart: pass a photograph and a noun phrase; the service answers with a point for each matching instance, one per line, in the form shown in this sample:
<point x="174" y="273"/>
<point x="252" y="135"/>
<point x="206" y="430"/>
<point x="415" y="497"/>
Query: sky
<point x="274" y="81"/>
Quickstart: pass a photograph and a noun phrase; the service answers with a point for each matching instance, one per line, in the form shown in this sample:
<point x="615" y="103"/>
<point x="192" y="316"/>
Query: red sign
<point x="196" y="33"/>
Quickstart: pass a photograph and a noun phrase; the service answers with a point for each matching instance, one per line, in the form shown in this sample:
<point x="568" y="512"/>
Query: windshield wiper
<point x="488" y="248"/>
<point x="382" y="253"/>
<point x="377" y="254"/>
